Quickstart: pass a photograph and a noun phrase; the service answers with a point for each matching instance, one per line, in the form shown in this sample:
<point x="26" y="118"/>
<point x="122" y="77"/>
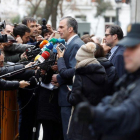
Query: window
<point x="81" y="17"/>
<point x="107" y="19"/>
<point x="110" y="19"/>
<point x="113" y="19"/>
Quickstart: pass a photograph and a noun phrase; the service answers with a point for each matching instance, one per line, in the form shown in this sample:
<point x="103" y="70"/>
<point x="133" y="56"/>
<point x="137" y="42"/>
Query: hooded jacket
<point x="88" y="85"/>
<point x="111" y="73"/>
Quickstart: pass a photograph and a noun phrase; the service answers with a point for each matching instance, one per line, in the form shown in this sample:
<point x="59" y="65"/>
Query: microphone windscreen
<point x="45" y="49"/>
<point x="49" y="46"/>
<point x="44" y="42"/>
<point x="61" y="41"/>
<point x="54" y="40"/>
<point x="36" y="58"/>
<point x="45" y="55"/>
<point x="54" y="49"/>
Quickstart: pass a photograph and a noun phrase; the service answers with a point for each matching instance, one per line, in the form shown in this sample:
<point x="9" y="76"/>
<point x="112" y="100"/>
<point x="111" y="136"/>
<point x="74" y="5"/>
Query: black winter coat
<point x="12" y="85"/>
<point x="48" y="108"/>
<point x="88" y="85"/>
<point x="8" y="85"/>
<point x="112" y="75"/>
<point x="117" y="117"/>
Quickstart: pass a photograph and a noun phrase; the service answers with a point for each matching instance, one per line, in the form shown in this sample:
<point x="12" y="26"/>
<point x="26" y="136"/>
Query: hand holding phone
<point x="60" y="50"/>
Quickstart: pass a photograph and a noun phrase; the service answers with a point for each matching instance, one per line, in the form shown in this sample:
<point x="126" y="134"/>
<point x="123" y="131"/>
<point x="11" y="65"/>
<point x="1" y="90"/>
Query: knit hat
<point x="86" y="51"/>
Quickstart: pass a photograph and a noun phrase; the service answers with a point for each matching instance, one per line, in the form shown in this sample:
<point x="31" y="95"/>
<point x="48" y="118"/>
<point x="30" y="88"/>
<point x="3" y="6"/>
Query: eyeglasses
<point x="106" y="35"/>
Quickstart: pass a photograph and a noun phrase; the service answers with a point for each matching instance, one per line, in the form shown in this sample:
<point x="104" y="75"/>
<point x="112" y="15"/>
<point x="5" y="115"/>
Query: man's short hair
<point x="28" y="19"/>
<point x="20" y="30"/>
<point x="71" y="22"/>
<point x="115" y="29"/>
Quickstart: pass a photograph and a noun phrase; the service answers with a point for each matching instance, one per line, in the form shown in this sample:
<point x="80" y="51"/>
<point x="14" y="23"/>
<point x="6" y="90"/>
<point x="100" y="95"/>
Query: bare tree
<point x="34" y="5"/>
<point x="102" y="7"/>
<point x="51" y="10"/>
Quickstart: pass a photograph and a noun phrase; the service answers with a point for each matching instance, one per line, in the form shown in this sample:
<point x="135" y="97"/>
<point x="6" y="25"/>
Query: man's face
<point x="39" y="28"/>
<point x="1" y="60"/>
<point x="33" y="28"/>
<point x="8" y="29"/>
<point x="63" y="29"/>
<point x="132" y="58"/>
<point x="26" y="37"/>
<point x="109" y="40"/>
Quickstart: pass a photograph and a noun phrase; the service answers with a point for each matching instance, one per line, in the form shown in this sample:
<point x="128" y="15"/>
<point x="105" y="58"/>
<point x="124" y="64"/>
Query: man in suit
<point x="68" y="30"/>
<point x="113" y="34"/>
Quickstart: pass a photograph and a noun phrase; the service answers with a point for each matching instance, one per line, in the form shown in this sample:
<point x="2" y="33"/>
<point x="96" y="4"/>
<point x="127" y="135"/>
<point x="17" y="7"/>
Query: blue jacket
<point x="70" y="62"/>
<point x="118" y="61"/>
<point x="118" y="117"/>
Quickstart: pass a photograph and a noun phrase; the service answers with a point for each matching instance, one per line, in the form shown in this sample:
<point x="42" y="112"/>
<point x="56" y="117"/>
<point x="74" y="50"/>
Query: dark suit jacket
<point x="70" y="62"/>
<point x="118" y="61"/>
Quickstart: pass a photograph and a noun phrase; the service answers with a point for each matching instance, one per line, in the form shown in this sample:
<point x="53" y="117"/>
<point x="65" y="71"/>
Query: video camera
<point x="3" y="38"/>
<point x="44" y="27"/>
<point x="32" y="53"/>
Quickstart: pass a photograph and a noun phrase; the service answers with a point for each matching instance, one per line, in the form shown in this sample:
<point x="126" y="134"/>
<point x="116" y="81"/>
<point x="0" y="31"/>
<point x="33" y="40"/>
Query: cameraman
<point x="48" y="113"/>
<point x="10" y="85"/>
<point x="14" y="52"/>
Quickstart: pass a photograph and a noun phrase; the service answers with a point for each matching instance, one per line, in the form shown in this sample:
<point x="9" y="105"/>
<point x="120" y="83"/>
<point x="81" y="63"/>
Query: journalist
<point x="117" y="117"/>
<point x="10" y="85"/>
<point x="48" y="112"/>
<point x="31" y="23"/>
<point x="15" y="52"/>
<point x="21" y="33"/>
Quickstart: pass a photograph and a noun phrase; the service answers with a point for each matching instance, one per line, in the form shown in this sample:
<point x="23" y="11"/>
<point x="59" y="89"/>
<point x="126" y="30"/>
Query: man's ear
<point x="70" y="29"/>
<point x="115" y="36"/>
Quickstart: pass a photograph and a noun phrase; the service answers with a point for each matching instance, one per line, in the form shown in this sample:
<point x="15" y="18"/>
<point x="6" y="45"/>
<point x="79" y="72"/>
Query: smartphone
<point x="61" y="47"/>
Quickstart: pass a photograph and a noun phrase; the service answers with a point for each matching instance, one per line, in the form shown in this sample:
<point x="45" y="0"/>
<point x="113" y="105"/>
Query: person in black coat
<point x="48" y="110"/>
<point x="112" y="75"/>
<point x="89" y="84"/>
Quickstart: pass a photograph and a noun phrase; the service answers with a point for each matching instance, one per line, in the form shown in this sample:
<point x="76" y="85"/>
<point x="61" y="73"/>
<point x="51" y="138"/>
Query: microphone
<point x="53" y="40"/>
<point x="37" y="57"/>
<point x="44" y="56"/>
<point x="44" y="49"/>
<point x="49" y="46"/>
<point x="61" y="41"/>
<point x="55" y="52"/>
<point x="44" y="42"/>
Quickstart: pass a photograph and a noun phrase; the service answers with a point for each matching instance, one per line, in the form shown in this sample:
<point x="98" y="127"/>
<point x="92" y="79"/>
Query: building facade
<point x="85" y="10"/>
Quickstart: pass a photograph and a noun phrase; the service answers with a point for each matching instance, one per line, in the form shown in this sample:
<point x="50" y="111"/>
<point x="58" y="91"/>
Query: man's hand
<point x="54" y="78"/>
<point x="54" y="67"/>
<point x="84" y="113"/>
<point x="43" y="72"/>
<point x="23" y="56"/>
<point x="55" y="84"/>
<point x="39" y="38"/>
<point x="59" y="53"/>
<point x="19" y="40"/>
<point x="23" y="84"/>
<point x="29" y="65"/>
